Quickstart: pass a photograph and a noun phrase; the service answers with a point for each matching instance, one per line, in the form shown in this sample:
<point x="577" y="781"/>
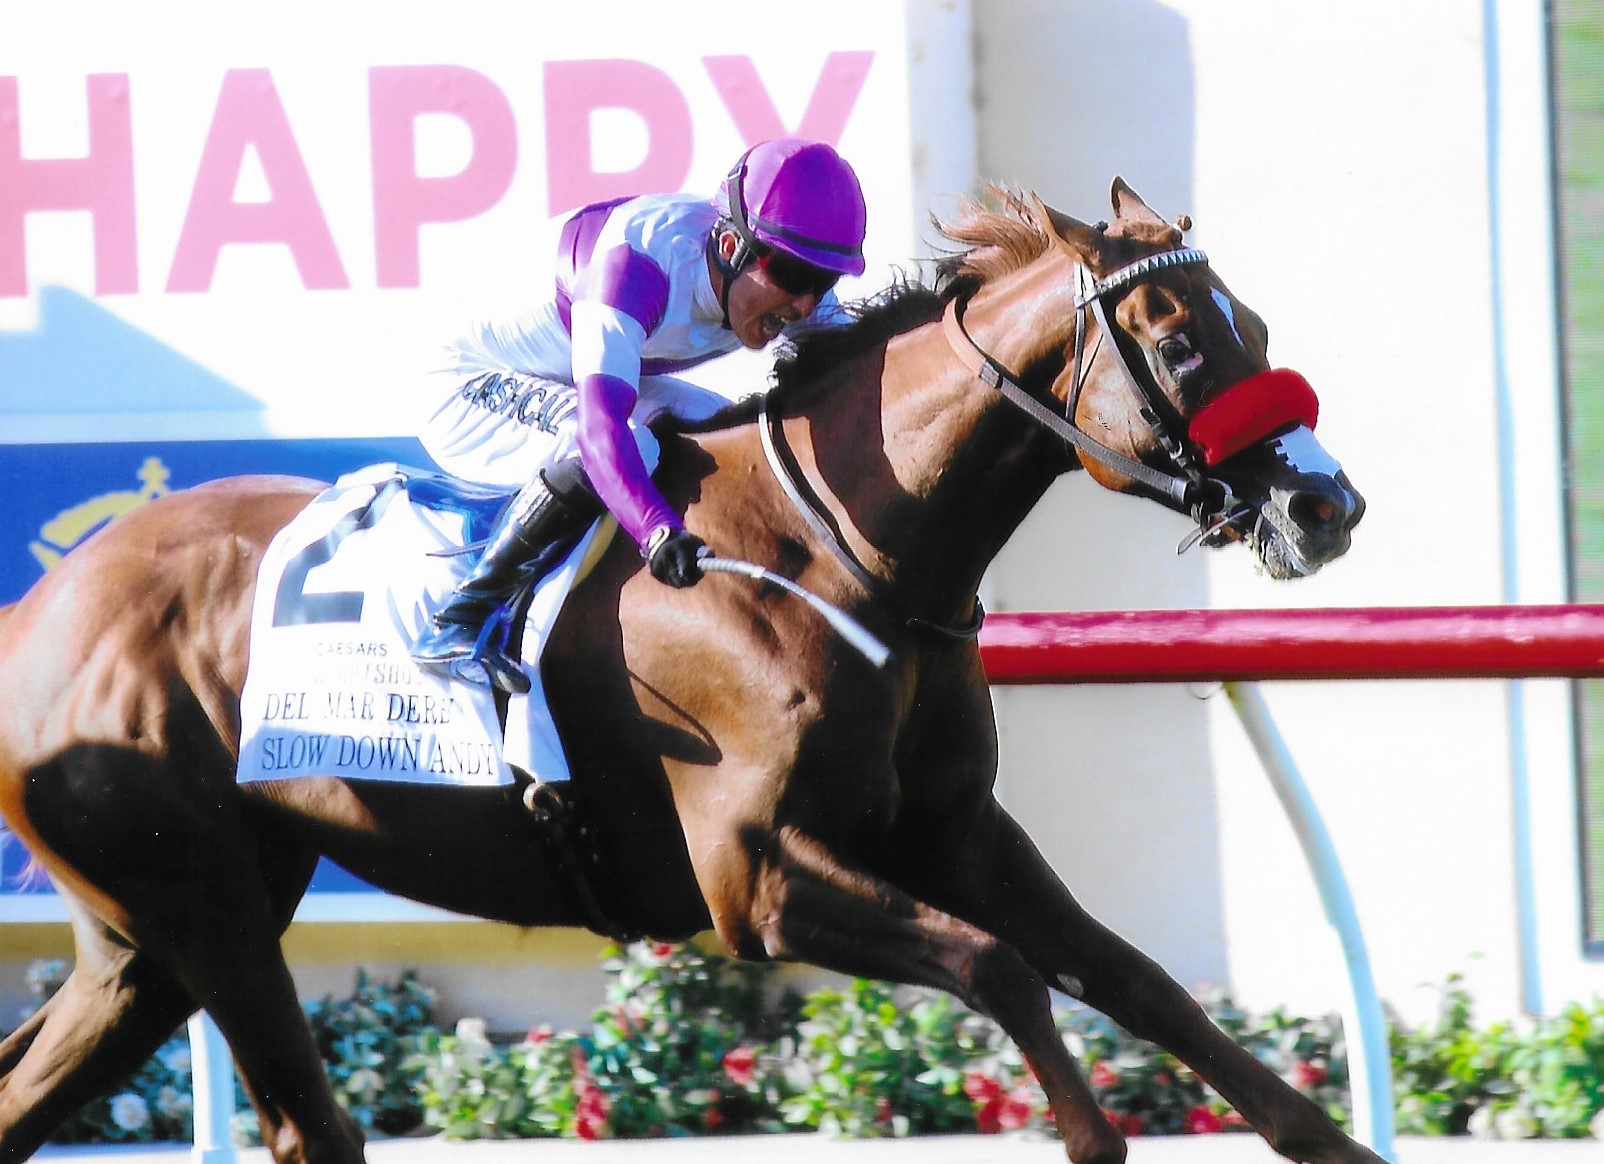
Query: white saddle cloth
<point x="341" y="595"/>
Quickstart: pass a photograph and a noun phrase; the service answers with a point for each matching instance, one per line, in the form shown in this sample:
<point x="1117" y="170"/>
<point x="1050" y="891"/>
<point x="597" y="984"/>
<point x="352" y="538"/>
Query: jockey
<point x="556" y="401"/>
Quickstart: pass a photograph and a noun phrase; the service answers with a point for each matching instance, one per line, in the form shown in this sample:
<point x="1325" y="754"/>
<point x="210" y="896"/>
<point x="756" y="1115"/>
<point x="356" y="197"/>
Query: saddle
<point x="342" y="593"/>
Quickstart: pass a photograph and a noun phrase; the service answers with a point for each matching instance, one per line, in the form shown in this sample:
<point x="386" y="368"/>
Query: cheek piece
<point x="1251" y="411"/>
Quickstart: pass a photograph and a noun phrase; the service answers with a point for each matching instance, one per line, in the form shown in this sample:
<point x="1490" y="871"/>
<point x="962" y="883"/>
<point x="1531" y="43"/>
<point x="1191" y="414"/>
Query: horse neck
<point x="929" y="471"/>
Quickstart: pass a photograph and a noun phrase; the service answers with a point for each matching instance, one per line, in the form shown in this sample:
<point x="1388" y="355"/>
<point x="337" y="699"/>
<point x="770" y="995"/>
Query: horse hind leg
<point x="225" y="951"/>
<point x="15" y="1045"/>
<point x="115" y="1009"/>
<point x="808" y="907"/>
<point x="198" y="894"/>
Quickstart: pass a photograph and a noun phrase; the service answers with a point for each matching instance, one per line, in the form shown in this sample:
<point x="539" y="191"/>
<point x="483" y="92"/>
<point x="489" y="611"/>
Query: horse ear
<point x="1128" y="205"/>
<point x="1072" y="233"/>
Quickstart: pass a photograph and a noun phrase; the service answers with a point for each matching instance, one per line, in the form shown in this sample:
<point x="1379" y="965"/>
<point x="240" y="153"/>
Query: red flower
<point x="712" y="1118"/>
<point x="1305" y="1075"/>
<point x="739" y="1064"/>
<point x="1104" y="1074"/>
<point x="1200" y="1121"/>
<point x="538" y="1035"/>
<point x="590" y="1115"/>
<point x="882" y="1111"/>
<point x="1129" y="1123"/>
<point x="988" y="1119"/>
<point x="1233" y="1119"/>
<point x="662" y="949"/>
<point x="1014" y="1109"/>
<point x="980" y="1087"/>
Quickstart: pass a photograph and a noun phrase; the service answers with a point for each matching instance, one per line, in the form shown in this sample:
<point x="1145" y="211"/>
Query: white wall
<point x="1337" y="167"/>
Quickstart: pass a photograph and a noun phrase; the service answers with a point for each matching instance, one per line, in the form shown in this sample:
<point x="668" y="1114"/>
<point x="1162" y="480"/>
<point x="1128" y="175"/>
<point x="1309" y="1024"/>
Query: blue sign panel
<point x="56" y="495"/>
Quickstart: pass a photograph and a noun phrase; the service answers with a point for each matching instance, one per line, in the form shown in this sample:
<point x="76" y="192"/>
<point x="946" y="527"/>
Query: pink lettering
<point x="752" y="109"/>
<point x="250" y="115"/>
<point x="402" y="199"/>
<point x="101" y="182"/>
<point x="573" y="89"/>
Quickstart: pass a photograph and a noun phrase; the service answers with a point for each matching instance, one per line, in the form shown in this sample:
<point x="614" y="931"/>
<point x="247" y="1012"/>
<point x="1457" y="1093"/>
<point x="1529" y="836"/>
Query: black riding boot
<point x="555" y="507"/>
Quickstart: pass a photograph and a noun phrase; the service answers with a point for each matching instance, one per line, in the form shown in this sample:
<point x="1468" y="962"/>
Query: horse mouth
<point x="1279" y="557"/>
<point x="1294" y="534"/>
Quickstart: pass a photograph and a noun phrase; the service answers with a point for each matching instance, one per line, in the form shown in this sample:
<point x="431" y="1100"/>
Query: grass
<point x="1579" y="142"/>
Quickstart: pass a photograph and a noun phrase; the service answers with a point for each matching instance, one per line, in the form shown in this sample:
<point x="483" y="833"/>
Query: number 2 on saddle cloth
<point x="477" y="505"/>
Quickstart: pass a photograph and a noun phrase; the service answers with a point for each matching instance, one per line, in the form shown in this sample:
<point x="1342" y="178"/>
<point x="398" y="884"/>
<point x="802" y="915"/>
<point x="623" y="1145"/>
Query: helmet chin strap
<point x="746" y="243"/>
<point x="729" y="269"/>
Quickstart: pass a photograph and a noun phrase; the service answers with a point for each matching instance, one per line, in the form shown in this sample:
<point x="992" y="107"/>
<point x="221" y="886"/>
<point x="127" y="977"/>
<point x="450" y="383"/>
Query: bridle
<point x="1272" y="399"/>
<point x="1189" y="488"/>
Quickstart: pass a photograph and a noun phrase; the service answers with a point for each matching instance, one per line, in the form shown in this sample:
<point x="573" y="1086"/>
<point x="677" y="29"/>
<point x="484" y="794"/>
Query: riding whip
<point x="871" y="648"/>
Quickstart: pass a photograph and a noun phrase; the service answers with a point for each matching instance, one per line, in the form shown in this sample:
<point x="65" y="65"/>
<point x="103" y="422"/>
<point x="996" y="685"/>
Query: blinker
<point x="1251" y="411"/>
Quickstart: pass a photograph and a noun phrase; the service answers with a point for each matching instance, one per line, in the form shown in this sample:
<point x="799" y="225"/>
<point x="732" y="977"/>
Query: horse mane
<point x="993" y="241"/>
<point x="996" y="239"/>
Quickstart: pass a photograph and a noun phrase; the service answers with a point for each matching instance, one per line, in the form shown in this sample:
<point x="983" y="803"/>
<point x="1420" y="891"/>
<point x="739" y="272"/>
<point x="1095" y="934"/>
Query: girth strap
<point x="561" y="826"/>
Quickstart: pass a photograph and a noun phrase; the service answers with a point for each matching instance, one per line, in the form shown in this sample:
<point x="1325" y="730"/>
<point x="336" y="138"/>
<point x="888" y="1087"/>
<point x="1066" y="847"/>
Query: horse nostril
<point x="1314" y="510"/>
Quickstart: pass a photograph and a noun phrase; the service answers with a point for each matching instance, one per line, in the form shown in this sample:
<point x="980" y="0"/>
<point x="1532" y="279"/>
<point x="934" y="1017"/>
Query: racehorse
<point x="735" y="766"/>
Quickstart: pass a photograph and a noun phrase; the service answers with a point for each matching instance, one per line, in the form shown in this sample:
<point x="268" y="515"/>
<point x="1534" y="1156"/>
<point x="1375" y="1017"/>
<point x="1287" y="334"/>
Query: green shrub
<point x="364" y="1039"/>
<point x="1541" y="1077"/>
<point x="691" y="1043"/>
<point x="872" y="1060"/>
<point x="682" y="1046"/>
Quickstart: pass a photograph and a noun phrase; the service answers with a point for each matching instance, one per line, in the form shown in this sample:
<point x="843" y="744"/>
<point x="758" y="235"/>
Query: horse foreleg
<point x="115" y="1009"/>
<point x="808" y="907"/>
<point x="998" y="880"/>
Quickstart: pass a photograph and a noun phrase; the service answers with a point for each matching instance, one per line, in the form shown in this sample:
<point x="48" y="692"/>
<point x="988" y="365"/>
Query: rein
<point x="1191" y="491"/>
<point x="1186" y="491"/>
<point x="993" y="375"/>
<point x="823" y="525"/>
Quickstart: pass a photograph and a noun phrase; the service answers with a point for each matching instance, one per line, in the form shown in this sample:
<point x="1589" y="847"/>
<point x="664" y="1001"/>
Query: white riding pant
<point x="501" y="428"/>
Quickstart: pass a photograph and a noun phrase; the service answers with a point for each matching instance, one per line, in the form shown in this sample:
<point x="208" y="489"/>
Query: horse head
<point x="1167" y="377"/>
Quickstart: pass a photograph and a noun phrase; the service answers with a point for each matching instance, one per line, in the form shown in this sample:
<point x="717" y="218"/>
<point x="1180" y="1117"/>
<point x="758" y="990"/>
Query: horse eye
<point x="1174" y="349"/>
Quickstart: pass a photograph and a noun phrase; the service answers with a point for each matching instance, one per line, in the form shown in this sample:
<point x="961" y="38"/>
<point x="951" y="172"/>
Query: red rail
<point x="1178" y="646"/>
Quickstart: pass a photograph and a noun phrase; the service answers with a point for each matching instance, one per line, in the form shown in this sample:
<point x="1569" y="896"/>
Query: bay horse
<point x="735" y="767"/>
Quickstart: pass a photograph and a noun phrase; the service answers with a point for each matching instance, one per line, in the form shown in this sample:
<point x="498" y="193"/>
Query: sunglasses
<point x="795" y="277"/>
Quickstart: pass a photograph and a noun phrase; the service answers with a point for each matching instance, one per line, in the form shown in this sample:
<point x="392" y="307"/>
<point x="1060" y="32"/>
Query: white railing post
<point x="213" y="1068"/>
<point x="1364" y="1025"/>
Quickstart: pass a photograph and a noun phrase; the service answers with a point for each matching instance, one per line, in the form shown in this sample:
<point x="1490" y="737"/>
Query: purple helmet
<point x="799" y="197"/>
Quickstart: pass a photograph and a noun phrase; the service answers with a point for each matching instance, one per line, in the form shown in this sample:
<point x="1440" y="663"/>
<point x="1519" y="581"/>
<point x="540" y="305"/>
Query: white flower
<point x="365" y="1083"/>
<point x="1515" y="1124"/>
<point x="176" y="1058"/>
<point x="1481" y="1124"/>
<point x="174" y="1104"/>
<point x="129" y="1112"/>
<point x="472" y="1030"/>
<point x="1597" y="1125"/>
